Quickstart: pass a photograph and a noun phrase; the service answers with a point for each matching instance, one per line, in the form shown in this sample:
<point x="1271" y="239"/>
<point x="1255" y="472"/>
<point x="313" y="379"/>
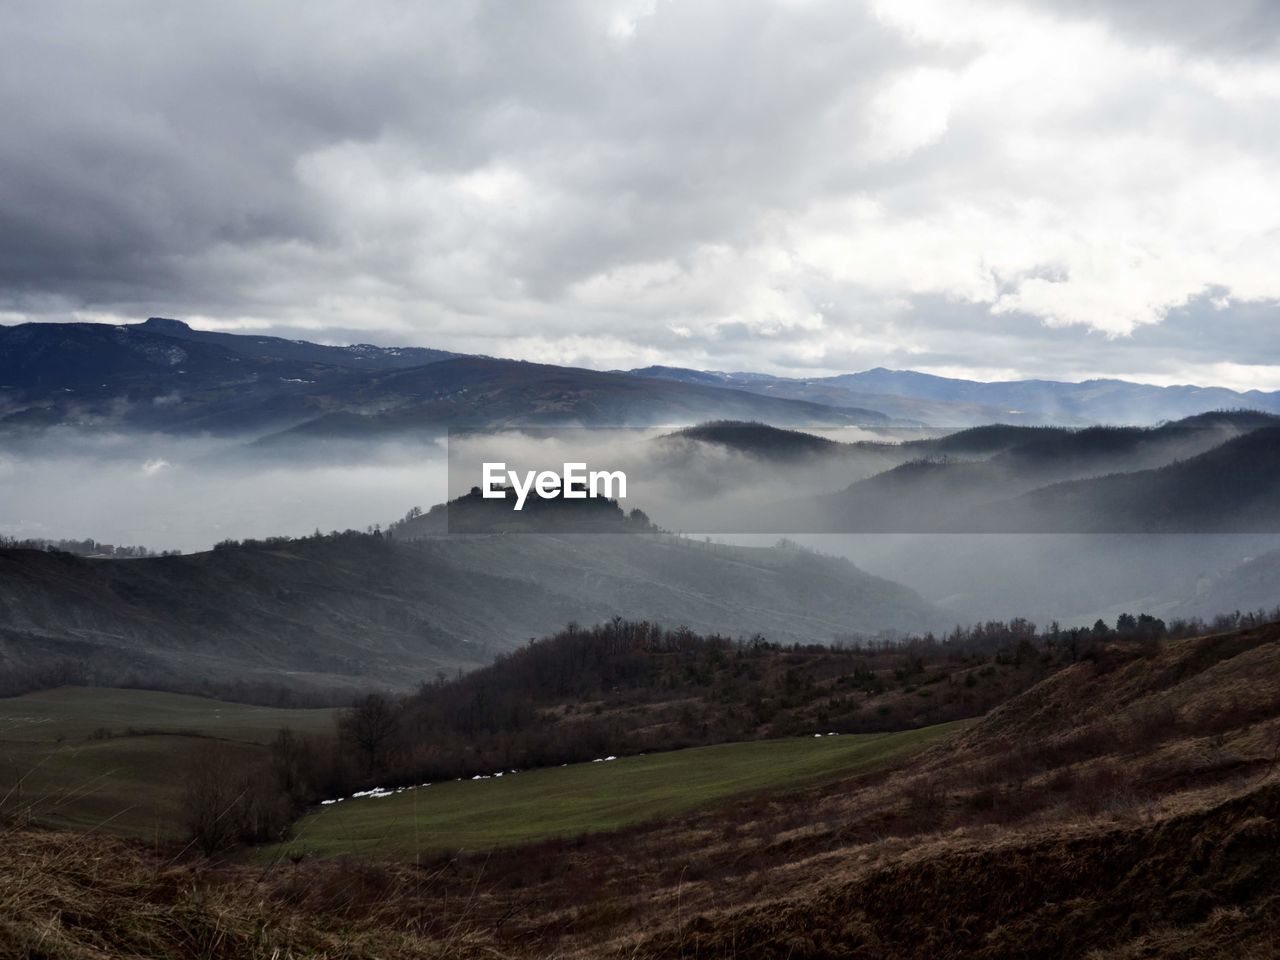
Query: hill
<point x="351" y="611"/>
<point x="479" y="391"/>
<point x="757" y="439"/>
<point x="947" y="401"/>
<point x="163" y="375"/>
<point x="1232" y="488"/>
<point x="1126" y="806"/>
<point x="121" y="761"/>
<point x="114" y="761"/>
<point x="474" y="513"/>
<point x="358" y="356"/>
<point x="1206" y="473"/>
<point x="584" y="798"/>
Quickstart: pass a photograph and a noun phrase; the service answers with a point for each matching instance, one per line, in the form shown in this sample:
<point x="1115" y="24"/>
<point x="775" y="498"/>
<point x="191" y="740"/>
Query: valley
<point x="582" y="730"/>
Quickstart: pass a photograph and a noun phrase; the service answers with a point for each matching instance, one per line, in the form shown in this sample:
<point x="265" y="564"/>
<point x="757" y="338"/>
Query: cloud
<point x="787" y="186"/>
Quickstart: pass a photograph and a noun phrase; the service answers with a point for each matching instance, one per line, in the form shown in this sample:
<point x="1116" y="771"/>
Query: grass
<point x="56" y="768"/>
<point x="73" y="897"/>
<point x="74" y="713"/>
<point x="130" y="786"/>
<point x="589" y="797"/>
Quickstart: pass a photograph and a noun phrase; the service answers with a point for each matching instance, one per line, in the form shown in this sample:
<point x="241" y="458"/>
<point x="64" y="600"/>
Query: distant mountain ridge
<point x="358" y="355"/>
<point x="163" y="375"/>
<point x="954" y="402"/>
<point x="1214" y="473"/>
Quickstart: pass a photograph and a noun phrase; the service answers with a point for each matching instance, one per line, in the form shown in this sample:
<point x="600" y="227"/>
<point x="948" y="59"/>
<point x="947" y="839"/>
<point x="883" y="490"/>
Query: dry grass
<point x="1124" y="808"/>
<point x="64" y="895"/>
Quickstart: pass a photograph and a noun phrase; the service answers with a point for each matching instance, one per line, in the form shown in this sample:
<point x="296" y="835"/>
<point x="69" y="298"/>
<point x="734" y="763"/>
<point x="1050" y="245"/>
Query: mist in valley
<point x="187" y="494"/>
<point x="165" y="493"/>
<point x="1072" y="578"/>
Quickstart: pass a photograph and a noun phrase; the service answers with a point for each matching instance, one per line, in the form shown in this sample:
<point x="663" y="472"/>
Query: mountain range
<point x="1217" y="472"/>
<point x="164" y="375"/>
<point x="943" y="401"/>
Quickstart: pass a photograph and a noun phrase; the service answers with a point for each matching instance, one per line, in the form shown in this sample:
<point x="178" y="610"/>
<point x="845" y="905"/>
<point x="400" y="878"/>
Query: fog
<point x="1073" y="578"/>
<point x="680" y="483"/>
<point x="167" y="493"/>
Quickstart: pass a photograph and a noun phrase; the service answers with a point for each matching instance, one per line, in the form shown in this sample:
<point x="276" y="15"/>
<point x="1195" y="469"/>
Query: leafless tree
<point x="370" y="727"/>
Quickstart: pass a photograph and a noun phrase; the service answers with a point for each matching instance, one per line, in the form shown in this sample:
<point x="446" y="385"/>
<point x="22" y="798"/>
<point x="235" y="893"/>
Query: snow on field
<point x="378" y="793"/>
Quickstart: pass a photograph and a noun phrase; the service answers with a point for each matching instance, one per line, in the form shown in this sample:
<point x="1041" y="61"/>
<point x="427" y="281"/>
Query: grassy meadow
<point x="112" y="760"/>
<point x="588" y="797"/>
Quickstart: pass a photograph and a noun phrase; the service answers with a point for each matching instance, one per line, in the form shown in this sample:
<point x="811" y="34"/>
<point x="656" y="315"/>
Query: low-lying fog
<point x="1073" y="578"/>
<point x="167" y="493"/>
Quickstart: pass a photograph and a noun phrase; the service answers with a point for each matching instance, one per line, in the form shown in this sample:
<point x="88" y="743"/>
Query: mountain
<point x="1232" y="488"/>
<point x="1121" y="808"/>
<point x="353" y="610"/>
<point x="162" y="375"/>
<point x="908" y="411"/>
<point x="944" y="401"/>
<point x="756" y="439"/>
<point x="1124" y="807"/>
<point x="358" y="356"/>
<point x="153" y="376"/>
<point x="1213" y="472"/>
<point x="475" y="513"/>
<point x="483" y="392"/>
<point x="1091" y="401"/>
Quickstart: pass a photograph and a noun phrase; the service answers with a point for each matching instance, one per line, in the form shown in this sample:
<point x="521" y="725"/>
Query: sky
<point x="982" y="189"/>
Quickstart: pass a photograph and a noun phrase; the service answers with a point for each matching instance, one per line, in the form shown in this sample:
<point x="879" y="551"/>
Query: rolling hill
<point x="1232" y="488"/>
<point x="1124" y="807"/>
<point x="1210" y="473"/>
<point x="356" y="611"/>
<point x="99" y="759"/>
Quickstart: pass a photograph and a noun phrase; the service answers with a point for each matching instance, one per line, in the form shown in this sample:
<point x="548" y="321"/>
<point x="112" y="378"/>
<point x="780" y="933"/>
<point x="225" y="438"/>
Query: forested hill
<point x="358" y="611"/>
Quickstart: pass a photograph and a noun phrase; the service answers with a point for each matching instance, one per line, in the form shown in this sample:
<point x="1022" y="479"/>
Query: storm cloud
<point x="974" y="188"/>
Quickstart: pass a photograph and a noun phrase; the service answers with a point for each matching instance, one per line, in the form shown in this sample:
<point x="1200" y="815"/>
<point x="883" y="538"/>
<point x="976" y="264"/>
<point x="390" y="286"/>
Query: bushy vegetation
<point x="626" y="688"/>
<point x="1124" y="808"/>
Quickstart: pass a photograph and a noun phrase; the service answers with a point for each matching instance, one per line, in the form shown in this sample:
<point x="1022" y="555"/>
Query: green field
<point x="586" y="797"/>
<point x="74" y="713"/>
<point x="58" y="766"/>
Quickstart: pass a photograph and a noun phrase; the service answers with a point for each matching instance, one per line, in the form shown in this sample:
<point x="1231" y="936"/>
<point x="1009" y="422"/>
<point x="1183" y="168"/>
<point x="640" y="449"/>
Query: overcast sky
<point x="1064" y="189"/>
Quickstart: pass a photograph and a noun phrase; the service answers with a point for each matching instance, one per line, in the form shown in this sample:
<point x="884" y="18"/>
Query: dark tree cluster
<point x="626" y="687"/>
<point x="85" y="548"/>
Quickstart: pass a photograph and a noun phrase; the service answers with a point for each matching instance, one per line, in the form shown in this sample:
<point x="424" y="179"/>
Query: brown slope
<point x="1128" y="805"/>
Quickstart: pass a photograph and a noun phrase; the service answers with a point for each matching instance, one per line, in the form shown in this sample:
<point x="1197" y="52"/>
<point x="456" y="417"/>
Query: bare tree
<point x="211" y="798"/>
<point x="228" y="799"/>
<point x="370" y="726"/>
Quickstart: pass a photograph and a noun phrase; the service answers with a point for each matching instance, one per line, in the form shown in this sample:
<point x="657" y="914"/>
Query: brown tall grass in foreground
<point x="1128" y="806"/>
<point x="64" y="895"/>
